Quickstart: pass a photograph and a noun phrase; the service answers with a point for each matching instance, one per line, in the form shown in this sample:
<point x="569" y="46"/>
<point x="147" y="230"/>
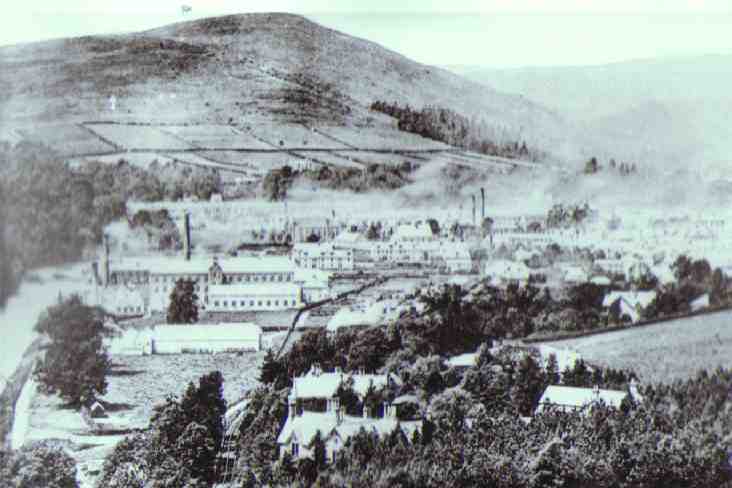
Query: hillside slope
<point x="666" y="111"/>
<point x="242" y="69"/>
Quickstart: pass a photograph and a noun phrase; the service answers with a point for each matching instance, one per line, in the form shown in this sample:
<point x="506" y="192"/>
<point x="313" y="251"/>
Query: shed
<point x="208" y="338"/>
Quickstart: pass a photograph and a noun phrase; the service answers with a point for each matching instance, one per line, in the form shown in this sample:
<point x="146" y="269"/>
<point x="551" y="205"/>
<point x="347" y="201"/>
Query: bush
<point x="37" y="465"/>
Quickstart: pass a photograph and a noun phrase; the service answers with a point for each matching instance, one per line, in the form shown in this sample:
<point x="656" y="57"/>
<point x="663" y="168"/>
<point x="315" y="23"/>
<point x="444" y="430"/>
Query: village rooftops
<point x="570" y="398"/>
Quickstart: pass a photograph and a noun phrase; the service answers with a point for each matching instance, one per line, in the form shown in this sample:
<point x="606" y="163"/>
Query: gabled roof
<point x="632" y="298"/>
<point x="304" y="427"/>
<point x="325" y="385"/>
<point x="570" y="396"/>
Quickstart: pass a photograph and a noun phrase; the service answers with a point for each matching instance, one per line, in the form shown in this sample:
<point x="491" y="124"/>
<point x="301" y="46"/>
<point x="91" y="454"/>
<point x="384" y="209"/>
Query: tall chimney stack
<point x="105" y="260"/>
<point x="473" y="208"/>
<point x="187" y="235"/>
<point x="482" y="198"/>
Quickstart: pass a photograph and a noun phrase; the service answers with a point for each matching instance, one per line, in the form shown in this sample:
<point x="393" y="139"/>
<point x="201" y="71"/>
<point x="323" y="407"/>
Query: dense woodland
<point x="50" y="214"/>
<point x="450" y="127"/>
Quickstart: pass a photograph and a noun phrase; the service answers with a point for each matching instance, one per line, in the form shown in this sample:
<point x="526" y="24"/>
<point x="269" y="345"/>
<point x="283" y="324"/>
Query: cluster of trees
<point x="75" y="363"/>
<point x="450" y="127"/>
<point x="37" y="464"/>
<point x="181" y="446"/>
<point x="278" y="182"/>
<point x="694" y="278"/>
<point x="50" y="214"/>
<point x="158" y="226"/>
<point x="592" y="166"/>
<point x="565" y="216"/>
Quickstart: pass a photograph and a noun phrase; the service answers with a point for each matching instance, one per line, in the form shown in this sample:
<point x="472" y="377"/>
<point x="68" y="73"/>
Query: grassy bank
<point x="9" y="396"/>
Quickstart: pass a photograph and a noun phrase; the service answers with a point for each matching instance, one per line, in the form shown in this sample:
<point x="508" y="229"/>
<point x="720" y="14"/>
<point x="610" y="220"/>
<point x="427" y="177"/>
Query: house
<point x="334" y="425"/>
<point x="630" y="303"/>
<point x="323" y="256"/>
<point x="376" y="313"/>
<point x="504" y="271"/>
<point x="700" y="303"/>
<point x="573" y="399"/>
<point x="456" y="257"/>
<point x="206" y="338"/>
<point x="315" y="284"/>
<point x="575" y="275"/>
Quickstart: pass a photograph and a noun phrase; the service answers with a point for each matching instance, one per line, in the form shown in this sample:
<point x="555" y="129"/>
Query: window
<point x="216" y="303"/>
<point x="226" y="303"/>
<point x="243" y="304"/>
<point x="238" y="278"/>
<point x="269" y="304"/>
<point x="251" y="303"/>
<point x="256" y="278"/>
<point x="259" y="303"/>
<point x="295" y="449"/>
<point x="277" y="303"/>
<point x="279" y="277"/>
<point x="249" y="278"/>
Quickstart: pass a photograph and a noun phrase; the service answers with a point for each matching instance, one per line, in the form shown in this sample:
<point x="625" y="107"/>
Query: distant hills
<point x="669" y="111"/>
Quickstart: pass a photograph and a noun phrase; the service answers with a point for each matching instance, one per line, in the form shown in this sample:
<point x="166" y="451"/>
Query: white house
<point x="210" y="338"/>
<point x="323" y="256"/>
<point x="334" y="425"/>
<point x="504" y="271"/>
<point x="571" y="399"/>
<point x="630" y="303"/>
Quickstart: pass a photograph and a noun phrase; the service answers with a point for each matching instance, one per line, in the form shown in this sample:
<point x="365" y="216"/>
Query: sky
<point x="491" y="33"/>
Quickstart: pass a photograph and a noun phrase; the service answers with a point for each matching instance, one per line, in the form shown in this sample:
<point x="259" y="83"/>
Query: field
<point x="662" y="352"/>
<point x="67" y="139"/>
<point x="138" y="137"/>
<point x="197" y="160"/>
<point x="261" y="162"/>
<point x="291" y="136"/>
<point x="331" y="158"/>
<point x="380" y="138"/>
<point x="216" y="136"/>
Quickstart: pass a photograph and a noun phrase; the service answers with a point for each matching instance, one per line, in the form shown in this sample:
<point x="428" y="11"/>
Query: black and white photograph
<point x="330" y="243"/>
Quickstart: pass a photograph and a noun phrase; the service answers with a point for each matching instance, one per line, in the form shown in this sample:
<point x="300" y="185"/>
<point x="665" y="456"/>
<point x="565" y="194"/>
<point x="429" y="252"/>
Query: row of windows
<point x="260" y="303"/>
<point x="129" y="309"/>
<point x="231" y="279"/>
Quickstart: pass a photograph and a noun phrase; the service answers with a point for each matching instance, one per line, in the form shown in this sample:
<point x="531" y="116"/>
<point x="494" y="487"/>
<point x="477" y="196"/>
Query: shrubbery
<point x="40" y="464"/>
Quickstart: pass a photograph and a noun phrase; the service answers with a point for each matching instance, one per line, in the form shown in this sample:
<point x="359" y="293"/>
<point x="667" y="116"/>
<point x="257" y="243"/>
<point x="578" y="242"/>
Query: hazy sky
<point x="499" y="33"/>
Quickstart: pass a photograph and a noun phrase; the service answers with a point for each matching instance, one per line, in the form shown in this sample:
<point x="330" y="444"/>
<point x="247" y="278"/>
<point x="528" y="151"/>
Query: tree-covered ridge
<point x="50" y="214"/>
<point x="450" y="127"/>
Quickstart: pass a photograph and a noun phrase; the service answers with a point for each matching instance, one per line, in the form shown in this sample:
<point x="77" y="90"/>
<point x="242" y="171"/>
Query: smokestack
<point x="105" y="260"/>
<point x="473" y="208"/>
<point x="187" y="236"/>
<point x="482" y="198"/>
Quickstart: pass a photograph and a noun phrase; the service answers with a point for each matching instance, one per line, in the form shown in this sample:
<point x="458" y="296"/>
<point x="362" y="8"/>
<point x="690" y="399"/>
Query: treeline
<point x="450" y="127"/>
<point x="278" y="182"/>
<point x="593" y="166"/>
<point x="50" y="214"/>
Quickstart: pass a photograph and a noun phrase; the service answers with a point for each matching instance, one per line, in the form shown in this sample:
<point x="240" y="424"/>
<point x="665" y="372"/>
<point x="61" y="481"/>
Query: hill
<point x="242" y="70"/>
<point x="668" y="111"/>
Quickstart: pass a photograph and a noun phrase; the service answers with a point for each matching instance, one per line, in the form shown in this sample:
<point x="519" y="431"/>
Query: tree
<point x="591" y="166"/>
<point x="317" y="445"/>
<point x="183" y="308"/>
<point x="75" y="364"/>
<point x="313" y="237"/>
<point x="37" y="465"/>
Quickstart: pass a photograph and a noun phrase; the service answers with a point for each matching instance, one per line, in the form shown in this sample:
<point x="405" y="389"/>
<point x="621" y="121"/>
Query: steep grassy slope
<point x="241" y="69"/>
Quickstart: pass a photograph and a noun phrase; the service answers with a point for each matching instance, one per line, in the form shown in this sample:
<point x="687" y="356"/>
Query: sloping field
<point x="388" y="159"/>
<point x="198" y="160"/>
<point x="665" y="351"/>
<point x="293" y="136"/>
<point x="382" y="139"/>
<point x="216" y="136"/>
<point x="251" y="161"/>
<point x="330" y="158"/>
<point x="67" y="139"/>
<point x="138" y="137"/>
